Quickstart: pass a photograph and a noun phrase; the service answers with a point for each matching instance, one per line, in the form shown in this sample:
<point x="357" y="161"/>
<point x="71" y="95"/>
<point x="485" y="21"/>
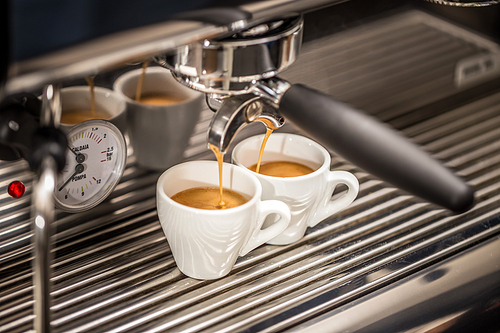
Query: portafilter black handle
<point x="375" y="147"/>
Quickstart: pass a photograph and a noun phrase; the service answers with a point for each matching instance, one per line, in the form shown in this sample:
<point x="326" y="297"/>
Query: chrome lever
<point x="43" y="215"/>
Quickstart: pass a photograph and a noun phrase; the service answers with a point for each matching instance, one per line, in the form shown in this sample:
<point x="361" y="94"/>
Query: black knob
<point x="48" y="141"/>
<point x="19" y="120"/>
<point x="21" y="135"/>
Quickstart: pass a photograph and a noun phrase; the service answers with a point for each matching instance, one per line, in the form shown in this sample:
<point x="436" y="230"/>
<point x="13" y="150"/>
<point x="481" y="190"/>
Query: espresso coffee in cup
<point x="301" y="178"/>
<point x="76" y="116"/>
<point x="207" y="197"/>
<point x="206" y="243"/>
<point x="156" y="99"/>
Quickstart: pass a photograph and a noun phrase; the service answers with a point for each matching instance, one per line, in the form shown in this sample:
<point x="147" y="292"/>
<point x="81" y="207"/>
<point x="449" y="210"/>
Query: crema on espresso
<point x="207" y="197"/>
<point x="282" y="169"/>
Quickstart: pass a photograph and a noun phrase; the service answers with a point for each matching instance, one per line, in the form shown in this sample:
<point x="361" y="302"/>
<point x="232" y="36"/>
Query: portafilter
<point x="238" y="74"/>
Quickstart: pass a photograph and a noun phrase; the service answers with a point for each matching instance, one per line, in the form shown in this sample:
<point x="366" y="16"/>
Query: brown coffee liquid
<point x="269" y="131"/>
<point x="138" y="90"/>
<point x="153" y="99"/>
<point x="282" y="169"/>
<point x="208" y="198"/>
<point x="73" y="117"/>
<point x="90" y="82"/>
<point x="220" y="158"/>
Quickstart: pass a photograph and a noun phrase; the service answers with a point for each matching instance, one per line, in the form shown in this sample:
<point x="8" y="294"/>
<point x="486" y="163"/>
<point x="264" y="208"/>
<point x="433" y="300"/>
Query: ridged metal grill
<point x="112" y="267"/>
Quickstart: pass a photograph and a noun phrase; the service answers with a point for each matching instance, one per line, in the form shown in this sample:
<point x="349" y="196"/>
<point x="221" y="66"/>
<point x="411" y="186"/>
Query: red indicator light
<point x="16" y="189"/>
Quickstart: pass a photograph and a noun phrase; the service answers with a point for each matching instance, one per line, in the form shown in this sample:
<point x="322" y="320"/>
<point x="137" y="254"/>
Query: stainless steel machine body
<point x="234" y="64"/>
<point x="389" y="262"/>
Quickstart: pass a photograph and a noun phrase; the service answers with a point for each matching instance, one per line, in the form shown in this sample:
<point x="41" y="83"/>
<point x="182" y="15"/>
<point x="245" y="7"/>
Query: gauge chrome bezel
<point x="113" y="179"/>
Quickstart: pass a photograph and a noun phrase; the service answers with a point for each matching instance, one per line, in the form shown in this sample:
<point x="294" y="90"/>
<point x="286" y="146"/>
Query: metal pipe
<point x="43" y="217"/>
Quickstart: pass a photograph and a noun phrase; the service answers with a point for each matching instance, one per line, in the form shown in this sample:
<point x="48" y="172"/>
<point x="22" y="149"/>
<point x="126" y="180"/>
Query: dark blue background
<point x="41" y="26"/>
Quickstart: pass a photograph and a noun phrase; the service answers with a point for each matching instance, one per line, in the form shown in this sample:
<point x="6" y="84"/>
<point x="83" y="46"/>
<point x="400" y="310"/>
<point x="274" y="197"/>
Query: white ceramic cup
<point x="159" y="134"/>
<point x="309" y="196"/>
<point x="206" y="243"/>
<point x="106" y="100"/>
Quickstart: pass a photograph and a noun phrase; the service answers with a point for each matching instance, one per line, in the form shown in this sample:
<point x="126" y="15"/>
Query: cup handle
<point x="260" y="236"/>
<point x="329" y="207"/>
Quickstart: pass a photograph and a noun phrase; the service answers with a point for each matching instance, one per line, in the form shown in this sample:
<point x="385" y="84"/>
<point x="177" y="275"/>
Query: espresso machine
<point x="425" y="157"/>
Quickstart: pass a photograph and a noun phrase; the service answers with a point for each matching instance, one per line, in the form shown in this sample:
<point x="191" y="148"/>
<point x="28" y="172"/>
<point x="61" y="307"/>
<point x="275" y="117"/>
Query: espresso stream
<point x="269" y="131"/>
<point x="138" y="90"/>
<point x="90" y="82"/>
<point x="220" y="158"/>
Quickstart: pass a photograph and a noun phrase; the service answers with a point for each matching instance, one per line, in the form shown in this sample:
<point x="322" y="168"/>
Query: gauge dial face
<point x="95" y="161"/>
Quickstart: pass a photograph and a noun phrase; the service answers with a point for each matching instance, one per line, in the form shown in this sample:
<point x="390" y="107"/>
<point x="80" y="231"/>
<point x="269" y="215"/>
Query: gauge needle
<point x="71" y="149"/>
<point x="78" y="169"/>
<point x="80" y="158"/>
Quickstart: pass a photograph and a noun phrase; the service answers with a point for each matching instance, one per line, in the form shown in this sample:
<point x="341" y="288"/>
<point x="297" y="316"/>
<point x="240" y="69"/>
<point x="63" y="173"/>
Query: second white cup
<point x="309" y="196"/>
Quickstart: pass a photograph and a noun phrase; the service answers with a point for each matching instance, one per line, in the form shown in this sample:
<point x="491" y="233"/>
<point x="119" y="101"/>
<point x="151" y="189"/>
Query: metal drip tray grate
<point x="113" y="269"/>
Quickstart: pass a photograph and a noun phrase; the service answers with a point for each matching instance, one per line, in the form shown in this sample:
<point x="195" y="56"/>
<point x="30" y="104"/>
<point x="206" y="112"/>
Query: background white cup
<point x="309" y="196"/>
<point x="159" y="134"/>
<point x="206" y="243"/>
<point x="106" y="100"/>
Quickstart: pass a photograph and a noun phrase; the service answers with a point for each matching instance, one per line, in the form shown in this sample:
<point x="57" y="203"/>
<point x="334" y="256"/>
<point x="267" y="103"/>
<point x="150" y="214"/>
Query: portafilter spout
<point x="241" y="70"/>
<point x="237" y="112"/>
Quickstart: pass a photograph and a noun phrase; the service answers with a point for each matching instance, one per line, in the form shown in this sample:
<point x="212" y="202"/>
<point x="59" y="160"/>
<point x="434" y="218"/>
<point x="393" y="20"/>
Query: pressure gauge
<point x="95" y="162"/>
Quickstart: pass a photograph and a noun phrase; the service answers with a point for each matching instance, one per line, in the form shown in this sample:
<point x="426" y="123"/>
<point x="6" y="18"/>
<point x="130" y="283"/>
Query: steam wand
<point x="28" y="130"/>
<point x="45" y="160"/>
